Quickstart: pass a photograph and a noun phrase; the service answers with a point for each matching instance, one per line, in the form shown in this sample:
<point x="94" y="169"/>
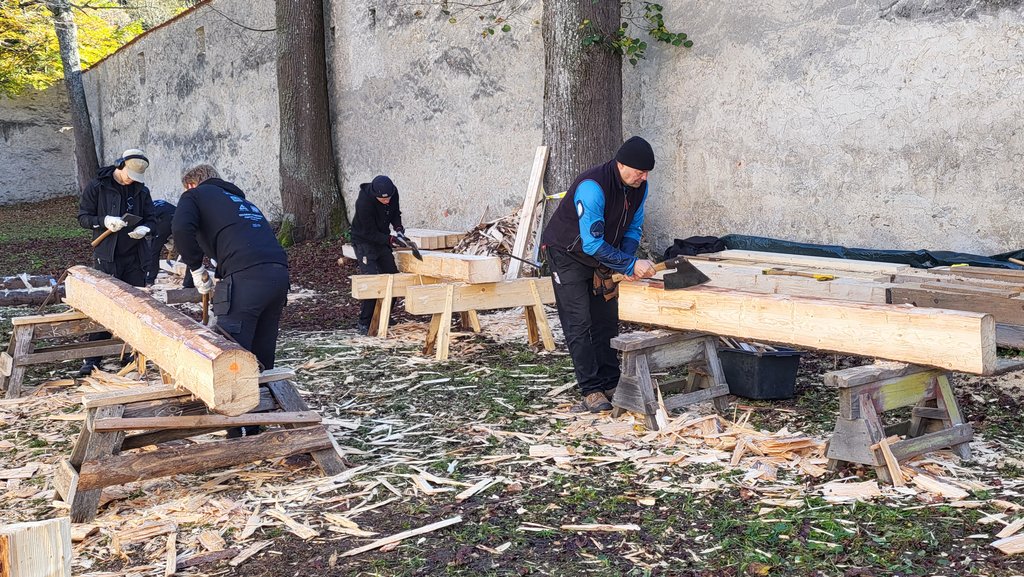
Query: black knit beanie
<point x="636" y="153"/>
<point x="383" y="187"/>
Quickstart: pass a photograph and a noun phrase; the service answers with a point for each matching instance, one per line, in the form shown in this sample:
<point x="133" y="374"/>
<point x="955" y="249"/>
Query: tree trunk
<point x="67" y="38"/>
<point x="582" y="90"/>
<point x="313" y="204"/>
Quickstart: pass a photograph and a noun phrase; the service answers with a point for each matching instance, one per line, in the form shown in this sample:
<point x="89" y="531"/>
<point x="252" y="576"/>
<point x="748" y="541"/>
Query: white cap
<point x="134" y="162"/>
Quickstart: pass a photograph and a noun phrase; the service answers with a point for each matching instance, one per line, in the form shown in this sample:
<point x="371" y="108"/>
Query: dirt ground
<point x="417" y="433"/>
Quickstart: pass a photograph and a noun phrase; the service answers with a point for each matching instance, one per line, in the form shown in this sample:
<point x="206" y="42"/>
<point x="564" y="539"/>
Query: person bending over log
<point x="214" y="218"/>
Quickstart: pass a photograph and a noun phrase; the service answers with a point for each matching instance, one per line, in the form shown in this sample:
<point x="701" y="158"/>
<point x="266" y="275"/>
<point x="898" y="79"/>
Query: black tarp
<point x="915" y="258"/>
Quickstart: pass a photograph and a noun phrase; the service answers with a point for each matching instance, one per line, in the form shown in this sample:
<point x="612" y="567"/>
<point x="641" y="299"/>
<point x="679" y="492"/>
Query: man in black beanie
<point x="594" y="232"/>
<point x="377" y="212"/>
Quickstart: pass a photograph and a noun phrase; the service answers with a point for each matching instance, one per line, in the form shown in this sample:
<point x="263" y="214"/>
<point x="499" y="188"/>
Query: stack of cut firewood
<point x="495" y="238"/>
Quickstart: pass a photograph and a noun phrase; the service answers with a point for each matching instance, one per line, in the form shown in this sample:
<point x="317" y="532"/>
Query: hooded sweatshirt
<point x="104" y="197"/>
<point x="215" y="219"/>
<point x="373" y="220"/>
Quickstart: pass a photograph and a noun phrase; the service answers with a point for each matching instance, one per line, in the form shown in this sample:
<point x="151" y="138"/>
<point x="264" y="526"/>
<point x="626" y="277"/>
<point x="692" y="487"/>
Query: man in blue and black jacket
<point x="594" y="231"/>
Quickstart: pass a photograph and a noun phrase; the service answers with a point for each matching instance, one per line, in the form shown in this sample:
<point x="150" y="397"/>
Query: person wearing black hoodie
<point x="116" y="190"/>
<point x="163" y="213"/>
<point x="213" y="218"/>
<point x="377" y="212"/>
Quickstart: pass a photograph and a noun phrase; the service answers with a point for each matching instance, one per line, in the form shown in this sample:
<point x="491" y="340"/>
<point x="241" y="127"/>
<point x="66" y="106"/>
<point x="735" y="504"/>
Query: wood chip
<point x="403" y="535"/>
<point x="1011" y="529"/>
<point x="249" y="552"/>
<point x="1010" y="545"/>
<point x="933" y="485"/>
<point x="601" y="527"/>
<point x="303" y="532"/>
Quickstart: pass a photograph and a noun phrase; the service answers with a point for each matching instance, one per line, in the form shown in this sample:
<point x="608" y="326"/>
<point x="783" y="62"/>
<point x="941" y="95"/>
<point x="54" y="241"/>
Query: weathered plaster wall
<point x="452" y="117"/>
<point x="893" y="125"/>
<point x="38" y="155"/>
<point x="199" y="89"/>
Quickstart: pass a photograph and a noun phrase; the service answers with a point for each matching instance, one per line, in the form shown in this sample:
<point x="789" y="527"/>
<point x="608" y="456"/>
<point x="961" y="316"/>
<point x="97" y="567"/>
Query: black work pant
<point x="248" y="305"/>
<point x="588" y="322"/>
<point x="127" y="268"/>
<point x="154" y="248"/>
<point x="373" y="260"/>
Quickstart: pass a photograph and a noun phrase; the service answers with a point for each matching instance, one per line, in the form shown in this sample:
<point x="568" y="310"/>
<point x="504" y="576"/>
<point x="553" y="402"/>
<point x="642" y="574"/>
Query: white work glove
<point x="114" y="223"/>
<point x="139" y="232"/>
<point x="203" y="286"/>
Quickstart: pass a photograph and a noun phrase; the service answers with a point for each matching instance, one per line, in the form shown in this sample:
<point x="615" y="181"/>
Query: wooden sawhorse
<point x="23" y="352"/>
<point x="385" y="288"/>
<point x="866" y="392"/>
<point x="103" y="454"/>
<point x="644" y="352"/>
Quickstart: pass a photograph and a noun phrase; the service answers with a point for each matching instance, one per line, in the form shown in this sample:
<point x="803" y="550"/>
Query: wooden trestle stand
<point x="120" y="422"/>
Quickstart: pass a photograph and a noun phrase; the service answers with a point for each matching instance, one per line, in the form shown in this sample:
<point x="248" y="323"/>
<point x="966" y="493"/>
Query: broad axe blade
<point x="685" y="275"/>
<point x="132" y="220"/>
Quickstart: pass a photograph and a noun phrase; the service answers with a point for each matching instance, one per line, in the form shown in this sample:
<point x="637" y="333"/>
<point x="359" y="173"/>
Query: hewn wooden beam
<point x="430" y="299"/>
<point x="36" y="549"/>
<point x="1006" y="307"/>
<point x="777" y="258"/>
<point x="955" y="340"/>
<point x="749" y="277"/>
<point x="219" y="372"/>
<point x="373" y="286"/>
<point x="428" y="239"/>
<point x="457" y="267"/>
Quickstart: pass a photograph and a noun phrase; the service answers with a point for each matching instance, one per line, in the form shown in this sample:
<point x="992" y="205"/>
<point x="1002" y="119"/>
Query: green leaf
<point x="688" y="43"/>
<point x="506" y="28"/>
<point x="452" y="20"/>
<point x="633" y="61"/>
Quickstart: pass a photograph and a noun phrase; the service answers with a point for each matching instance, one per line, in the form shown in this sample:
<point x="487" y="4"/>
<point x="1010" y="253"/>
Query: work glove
<point x="114" y="223"/>
<point x="202" y="279"/>
<point x="139" y="232"/>
<point x="393" y="241"/>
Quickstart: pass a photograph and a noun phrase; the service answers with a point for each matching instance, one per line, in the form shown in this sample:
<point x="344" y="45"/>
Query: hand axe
<point x="132" y="220"/>
<point x="405" y="242"/>
<point x="685" y="275"/>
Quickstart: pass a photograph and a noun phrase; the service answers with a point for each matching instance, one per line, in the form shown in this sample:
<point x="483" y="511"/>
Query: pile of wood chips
<point x="496" y="238"/>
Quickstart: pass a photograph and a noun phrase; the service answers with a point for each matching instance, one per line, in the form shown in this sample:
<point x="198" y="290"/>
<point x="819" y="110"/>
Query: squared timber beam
<point x="954" y="340"/>
<point x="36" y="548"/>
<point x="219" y="372"/>
<point x="373" y="286"/>
<point x="465" y="268"/>
<point x="430" y="299"/>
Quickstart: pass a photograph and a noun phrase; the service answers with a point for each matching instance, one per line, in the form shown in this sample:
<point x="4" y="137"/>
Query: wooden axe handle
<point x="100" y="238"/>
<point x="619" y="277"/>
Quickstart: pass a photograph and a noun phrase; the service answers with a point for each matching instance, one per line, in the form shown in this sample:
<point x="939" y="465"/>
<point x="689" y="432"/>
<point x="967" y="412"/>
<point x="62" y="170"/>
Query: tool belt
<point x="603" y="283"/>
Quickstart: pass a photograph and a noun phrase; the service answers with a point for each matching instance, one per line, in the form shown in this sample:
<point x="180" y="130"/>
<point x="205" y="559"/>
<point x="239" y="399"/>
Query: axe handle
<point x="619" y="277"/>
<point x="206" y="301"/>
<point x="100" y="238"/>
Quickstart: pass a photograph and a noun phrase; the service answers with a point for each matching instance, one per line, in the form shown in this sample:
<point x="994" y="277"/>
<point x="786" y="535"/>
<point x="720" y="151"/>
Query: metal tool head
<point x="132" y="220"/>
<point x="404" y="241"/>
<point x="684" y="274"/>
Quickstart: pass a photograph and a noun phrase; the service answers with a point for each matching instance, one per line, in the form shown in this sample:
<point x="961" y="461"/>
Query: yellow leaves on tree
<point x="29" y="54"/>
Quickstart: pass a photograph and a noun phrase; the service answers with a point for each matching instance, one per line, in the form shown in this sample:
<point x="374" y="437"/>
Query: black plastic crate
<point x="761" y="375"/>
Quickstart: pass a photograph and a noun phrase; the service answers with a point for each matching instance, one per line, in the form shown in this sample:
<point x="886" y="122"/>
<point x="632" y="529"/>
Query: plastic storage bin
<point x="761" y="375"/>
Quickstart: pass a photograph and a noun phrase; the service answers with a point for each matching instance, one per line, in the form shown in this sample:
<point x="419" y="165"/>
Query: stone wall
<point x="453" y="117"/>
<point x="37" y="147"/>
<point x="200" y="88"/>
<point x="880" y="124"/>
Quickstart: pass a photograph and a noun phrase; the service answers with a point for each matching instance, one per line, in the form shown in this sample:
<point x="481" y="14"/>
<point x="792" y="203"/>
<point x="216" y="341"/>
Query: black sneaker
<point x="86" y="369"/>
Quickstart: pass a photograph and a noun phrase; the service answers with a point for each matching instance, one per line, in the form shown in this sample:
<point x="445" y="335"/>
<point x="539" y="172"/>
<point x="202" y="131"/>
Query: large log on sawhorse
<point x="442" y="300"/>
<point x="26" y="349"/>
<point x="36" y="549"/>
<point x="104" y="456"/>
<point x="218" y="371"/>
<point x="954" y="340"/>
<point x="646" y="352"/>
<point x="867" y="392"/>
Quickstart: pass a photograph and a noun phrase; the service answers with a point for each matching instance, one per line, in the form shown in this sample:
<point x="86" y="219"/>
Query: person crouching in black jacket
<point x="377" y="212"/>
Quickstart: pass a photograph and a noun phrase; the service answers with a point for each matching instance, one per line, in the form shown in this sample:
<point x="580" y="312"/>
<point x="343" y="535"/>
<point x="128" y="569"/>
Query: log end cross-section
<point x="218" y="371"/>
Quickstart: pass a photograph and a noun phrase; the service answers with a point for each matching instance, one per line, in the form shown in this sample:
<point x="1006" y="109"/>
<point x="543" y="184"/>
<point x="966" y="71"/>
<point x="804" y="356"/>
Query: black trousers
<point x="154" y="248"/>
<point x="588" y="322"/>
<point x="373" y="260"/>
<point x="248" y="305"/>
<point x="127" y="268"/>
